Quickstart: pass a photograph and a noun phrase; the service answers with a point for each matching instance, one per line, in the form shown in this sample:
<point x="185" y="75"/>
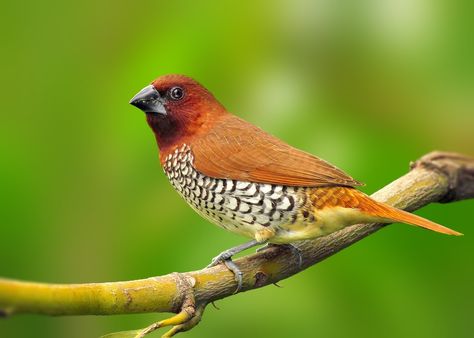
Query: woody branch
<point x="436" y="177"/>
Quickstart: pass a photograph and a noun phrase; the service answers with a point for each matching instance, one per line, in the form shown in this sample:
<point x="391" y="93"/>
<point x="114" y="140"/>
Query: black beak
<point x="149" y="100"/>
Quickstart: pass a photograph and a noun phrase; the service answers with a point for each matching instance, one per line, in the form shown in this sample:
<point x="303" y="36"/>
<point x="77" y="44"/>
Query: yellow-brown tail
<point x="390" y="213"/>
<point x="405" y="217"/>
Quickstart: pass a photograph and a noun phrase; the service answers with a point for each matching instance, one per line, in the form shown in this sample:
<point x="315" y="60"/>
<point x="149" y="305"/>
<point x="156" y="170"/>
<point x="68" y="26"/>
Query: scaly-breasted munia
<point x="248" y="181"/>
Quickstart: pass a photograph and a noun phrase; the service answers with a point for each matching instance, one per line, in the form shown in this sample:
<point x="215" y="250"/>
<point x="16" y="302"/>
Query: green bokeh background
<point x="367" y="85"/>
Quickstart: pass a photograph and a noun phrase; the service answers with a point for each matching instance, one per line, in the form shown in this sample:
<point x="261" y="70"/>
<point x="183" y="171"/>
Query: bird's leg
<point x="292" y="247"/>
<point x="227" y="254"/>
<point x="226" y="258"/>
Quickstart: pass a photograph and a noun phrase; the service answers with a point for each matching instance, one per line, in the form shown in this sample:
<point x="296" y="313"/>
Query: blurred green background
<point x="368" y="85"/>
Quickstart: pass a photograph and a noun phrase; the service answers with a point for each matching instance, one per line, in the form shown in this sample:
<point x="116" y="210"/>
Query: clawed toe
<point x="226" y="259"/>
<point x="296" y="252"/>
<point x="219" y="259"/>
<point x="265" y="247"/>
<point x="238" y="274"/>
<point x="214" y="262"/>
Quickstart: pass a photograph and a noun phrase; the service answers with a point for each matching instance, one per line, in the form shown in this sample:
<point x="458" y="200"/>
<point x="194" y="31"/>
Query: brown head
<point x="177" y="108"/>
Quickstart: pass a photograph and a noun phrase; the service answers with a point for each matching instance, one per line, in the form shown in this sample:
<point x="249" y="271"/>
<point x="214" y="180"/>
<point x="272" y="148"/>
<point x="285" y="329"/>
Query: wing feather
<point x="236" y="149"/>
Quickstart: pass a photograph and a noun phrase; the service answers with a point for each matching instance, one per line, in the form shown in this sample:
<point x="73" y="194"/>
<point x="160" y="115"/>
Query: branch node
<point x="260" y="279"/>
<point x="185" y="284"/>
<point x="188" y="316"/>
<point x="457" y="168"/>
<point x="191" y="323"/>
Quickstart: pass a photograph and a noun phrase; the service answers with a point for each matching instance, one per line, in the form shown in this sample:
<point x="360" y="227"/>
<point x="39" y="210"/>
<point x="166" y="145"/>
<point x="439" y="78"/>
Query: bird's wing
<point x="236" y="149"/>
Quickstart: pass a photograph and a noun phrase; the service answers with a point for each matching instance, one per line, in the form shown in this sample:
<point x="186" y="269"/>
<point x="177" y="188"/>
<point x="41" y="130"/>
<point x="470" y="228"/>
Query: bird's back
<point x="236" y="149"/>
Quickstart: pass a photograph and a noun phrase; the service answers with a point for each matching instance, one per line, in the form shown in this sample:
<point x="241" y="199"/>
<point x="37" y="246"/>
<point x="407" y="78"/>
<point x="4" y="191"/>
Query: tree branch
<point x="436" y="177"/>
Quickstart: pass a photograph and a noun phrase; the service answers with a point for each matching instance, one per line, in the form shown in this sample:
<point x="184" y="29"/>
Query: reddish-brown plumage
<point x="224" y="146"/>
<point x="187" y="119"/>
<point x="236" y="149"/>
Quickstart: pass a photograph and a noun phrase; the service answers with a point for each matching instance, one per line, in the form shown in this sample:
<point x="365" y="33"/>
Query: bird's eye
<point x="176" y="93"/>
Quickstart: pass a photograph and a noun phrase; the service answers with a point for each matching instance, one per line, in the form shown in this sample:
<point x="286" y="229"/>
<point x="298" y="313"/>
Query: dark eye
<point x="176" y="93"/>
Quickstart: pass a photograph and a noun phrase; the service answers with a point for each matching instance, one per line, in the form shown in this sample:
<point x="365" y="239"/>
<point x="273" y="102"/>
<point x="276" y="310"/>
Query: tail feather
<point x="406" y="217"/>
<point x="385" y="211"/>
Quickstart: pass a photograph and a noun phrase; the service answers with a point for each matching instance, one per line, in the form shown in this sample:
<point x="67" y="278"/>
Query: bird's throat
<point x="166" y="129"/>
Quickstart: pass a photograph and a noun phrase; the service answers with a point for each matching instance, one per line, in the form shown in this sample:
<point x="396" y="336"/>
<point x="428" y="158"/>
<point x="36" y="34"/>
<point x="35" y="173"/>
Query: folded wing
<point x="236" y="149"/>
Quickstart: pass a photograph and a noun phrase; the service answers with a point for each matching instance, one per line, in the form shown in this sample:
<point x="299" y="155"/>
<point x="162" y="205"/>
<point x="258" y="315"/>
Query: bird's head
<point x="177" y="108"/>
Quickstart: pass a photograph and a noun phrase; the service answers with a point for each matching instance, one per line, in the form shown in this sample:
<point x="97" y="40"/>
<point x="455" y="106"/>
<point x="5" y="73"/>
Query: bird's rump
<point x="236" y="149"/>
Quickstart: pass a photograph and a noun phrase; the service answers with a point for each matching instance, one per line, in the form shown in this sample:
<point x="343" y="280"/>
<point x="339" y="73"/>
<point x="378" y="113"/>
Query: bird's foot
<point x="221" y="258"/>
<point x="238" y="274"/>
<point x="226" y="258"/>
<point x="292" y="247"/>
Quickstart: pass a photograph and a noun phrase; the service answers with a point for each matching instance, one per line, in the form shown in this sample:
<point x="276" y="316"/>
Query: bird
<point x="249" y="182"/>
